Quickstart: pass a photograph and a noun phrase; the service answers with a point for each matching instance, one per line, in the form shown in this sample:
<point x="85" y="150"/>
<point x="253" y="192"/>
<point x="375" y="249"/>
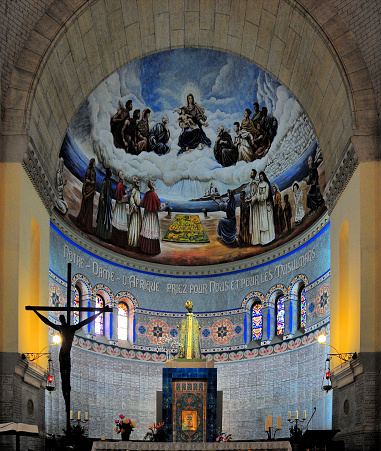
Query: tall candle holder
<point x="78" y="425"/>
<point x="271" y="432"/>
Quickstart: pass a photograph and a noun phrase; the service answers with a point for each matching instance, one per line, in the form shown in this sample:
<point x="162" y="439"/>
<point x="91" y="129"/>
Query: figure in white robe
<point x="242" y="142"/>
<point x="119" y="233"/>
<point x="135" y="215"/>
<point x="298" y="198"/>
<point x="255" y="236"/>
<point x="266" y="210"/>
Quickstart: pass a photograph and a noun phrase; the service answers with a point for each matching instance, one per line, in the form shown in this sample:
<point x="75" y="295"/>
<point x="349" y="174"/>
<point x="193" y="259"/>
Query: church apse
<point x="149" y="160"/>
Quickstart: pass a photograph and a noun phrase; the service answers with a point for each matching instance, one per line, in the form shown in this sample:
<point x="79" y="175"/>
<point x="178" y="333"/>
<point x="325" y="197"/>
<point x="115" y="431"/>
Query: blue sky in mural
<point x="224" y="85"/>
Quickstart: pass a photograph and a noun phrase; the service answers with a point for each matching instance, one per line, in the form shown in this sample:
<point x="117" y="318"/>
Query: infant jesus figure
<point x="185" y="120"/>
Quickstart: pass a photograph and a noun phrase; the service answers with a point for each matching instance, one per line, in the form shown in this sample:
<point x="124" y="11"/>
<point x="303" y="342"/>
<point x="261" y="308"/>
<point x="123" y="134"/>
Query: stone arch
<point x="307" y="47"/>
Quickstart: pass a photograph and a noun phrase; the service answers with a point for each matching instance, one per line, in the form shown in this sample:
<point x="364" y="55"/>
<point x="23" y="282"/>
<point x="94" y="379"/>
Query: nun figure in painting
<point x="191" y="137"/>
<point x="227" y="227"/>
<point x="266" y="210"/>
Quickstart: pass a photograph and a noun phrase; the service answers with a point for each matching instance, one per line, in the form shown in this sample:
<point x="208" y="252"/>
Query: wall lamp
<point x="343" y="356"/>
<point x="31" y="356"/>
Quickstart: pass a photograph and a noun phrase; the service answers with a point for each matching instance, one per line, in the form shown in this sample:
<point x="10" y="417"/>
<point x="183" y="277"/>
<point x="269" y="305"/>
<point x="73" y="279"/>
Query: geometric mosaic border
<point x="218" y="357"/>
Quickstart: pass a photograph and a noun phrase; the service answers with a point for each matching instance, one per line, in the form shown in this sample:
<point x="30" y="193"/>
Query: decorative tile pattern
<point x="157" y="330"/>
<point x="222" y="331"/>
<point x="323" y="300"/>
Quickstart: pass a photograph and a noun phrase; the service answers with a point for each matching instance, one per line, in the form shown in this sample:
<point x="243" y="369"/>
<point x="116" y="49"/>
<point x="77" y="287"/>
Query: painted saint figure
<point x="243" y="143"/>
<point x="314" y="197"/>
<point x="135" y="214"/>
<point x="244" y="221"/>
<point x="287" y="212"/>
<point x="85" y="216"/>
<point x="224" y="151"/>
<point x="117" y="123"/>
<point x="61" y="183"/>
<point x="298" y="198"/>
<point x="104" y="212"/>
<point x="119" y="215"/>
<point x="142" y="132"/>
<point x="279" y="221"/>
<point x="227" y="227"/>
<point x="266" y="210"/>
<point x="190" y="347"/>
<point x="192" y="138"/>
<point x="159" y="136"/>
<point x="252" y="199"/>
<point x="149" y="241"/>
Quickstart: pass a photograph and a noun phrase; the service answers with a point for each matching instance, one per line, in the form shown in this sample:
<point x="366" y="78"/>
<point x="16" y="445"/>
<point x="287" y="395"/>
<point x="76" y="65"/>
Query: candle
<point x="71" y="414"/>
<point x="304" y="414"/>
<point x="278" y="423"/>
<point x="79" y="414"/>
<point x="103" y="437"/>
<point x="289" y="415"/>
<point x="270" y="420"/>
<point x="86" y="416"/>
<point x="267" y="425"/>
<point x="296" y="415"/>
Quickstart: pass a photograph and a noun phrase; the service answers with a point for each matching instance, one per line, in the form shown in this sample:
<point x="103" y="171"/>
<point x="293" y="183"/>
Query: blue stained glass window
<point x="280" y="316"/>
<point x="303" y="308"/>
<point x="256" y="322"/>
<point x="76" y="305"/>
<point x="99" y="322"/>
<point x="122" y="321"/>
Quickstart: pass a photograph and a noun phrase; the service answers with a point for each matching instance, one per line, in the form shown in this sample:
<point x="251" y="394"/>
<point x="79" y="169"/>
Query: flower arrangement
<point x="156" y="433"/>
<point x="124" y="425"/>
<point x="224" y="437"/>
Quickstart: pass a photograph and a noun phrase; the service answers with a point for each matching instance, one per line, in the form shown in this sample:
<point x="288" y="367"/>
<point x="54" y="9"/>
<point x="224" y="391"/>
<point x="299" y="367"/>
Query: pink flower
<point x="116" y="421"/>
<point x="121" y="416"/>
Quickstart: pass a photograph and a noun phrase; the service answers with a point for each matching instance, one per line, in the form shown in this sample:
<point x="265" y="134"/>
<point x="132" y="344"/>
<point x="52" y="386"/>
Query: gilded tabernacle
<point x="190" y="347"/>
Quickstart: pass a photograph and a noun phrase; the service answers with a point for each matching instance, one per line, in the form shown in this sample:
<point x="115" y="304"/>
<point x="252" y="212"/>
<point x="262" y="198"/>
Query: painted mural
<point x="190" y="157"/>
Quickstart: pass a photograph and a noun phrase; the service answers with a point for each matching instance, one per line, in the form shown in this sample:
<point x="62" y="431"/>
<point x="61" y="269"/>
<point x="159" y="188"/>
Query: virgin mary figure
<point x="190" y="347"/>
<point x="191" y="138"/>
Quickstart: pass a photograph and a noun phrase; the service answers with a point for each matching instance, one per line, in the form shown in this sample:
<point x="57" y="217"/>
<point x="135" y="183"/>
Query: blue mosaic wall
<point x="210" y="374"/>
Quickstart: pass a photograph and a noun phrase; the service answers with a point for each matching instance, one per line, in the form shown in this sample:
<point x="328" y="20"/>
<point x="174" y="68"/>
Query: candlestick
<point x="86" y="416"/>
<point x="296" y="415"/>
<point x="304" y="414"/>
<point x="278" y="423"/>
<point x="71" y="414"/>
<point x="79" y="414"/>
<point x="270" y="421"/>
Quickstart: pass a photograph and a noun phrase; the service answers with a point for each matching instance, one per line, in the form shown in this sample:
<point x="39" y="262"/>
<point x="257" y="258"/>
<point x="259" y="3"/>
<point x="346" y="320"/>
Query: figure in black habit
<point x="314" y="198"/>
<point x="224" y="151"/>
<point x="244" y="221"/>
<point x="67" y="335"/>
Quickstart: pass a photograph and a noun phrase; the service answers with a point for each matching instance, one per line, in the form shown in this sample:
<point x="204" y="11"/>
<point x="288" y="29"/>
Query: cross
<point x="67" y="334"/>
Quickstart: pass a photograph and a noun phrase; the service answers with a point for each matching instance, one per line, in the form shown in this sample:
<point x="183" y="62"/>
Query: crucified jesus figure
<point x="67" y="335"/>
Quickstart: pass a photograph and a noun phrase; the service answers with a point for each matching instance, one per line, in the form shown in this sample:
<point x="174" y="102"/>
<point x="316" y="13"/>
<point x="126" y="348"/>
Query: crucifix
<point x="67" y="332"/>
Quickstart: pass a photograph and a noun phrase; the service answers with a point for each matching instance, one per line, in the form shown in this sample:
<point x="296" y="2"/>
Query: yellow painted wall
<point x="355" y="297"/>
<point x="22" y="212"/>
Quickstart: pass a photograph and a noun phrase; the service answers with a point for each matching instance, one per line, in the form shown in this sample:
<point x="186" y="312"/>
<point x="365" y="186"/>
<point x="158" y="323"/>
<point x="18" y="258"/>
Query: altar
<point x="268" y="445"/>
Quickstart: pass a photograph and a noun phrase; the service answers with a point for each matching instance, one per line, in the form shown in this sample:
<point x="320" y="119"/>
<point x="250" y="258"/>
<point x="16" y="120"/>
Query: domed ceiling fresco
<point x="191" y="157"/>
